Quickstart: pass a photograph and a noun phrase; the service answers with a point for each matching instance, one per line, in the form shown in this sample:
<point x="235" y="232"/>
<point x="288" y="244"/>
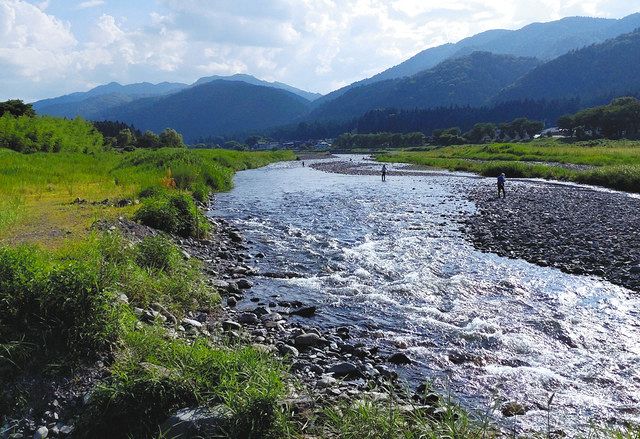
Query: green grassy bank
<point x="612" y="164"/>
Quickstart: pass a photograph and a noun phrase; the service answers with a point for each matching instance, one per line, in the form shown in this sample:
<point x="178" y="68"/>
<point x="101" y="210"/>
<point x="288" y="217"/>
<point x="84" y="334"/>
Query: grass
<point x="61" y="283"/>
<point x="614" y="164"/>
<point x="391" y="419"/>
<point x="153" y="376"/>
<point x="37" y="190"/>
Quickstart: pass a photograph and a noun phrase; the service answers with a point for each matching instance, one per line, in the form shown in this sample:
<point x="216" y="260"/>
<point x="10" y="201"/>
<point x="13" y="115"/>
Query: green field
<point x="37" y="191"/>
<point x="612" y="164"/>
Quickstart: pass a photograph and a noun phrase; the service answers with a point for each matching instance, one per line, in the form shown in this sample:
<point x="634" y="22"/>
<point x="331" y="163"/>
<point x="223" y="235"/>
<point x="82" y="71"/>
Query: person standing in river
<point x="501" y="179"/>
<point x="384" y="172"/>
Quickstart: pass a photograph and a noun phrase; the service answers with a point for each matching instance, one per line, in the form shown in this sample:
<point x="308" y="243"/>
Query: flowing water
<point x="391" y="261"/>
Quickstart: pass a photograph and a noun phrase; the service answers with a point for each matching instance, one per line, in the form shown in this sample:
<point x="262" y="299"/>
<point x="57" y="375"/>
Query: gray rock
<point x="191" y="423"/>
<point x="286" y="350"/>
<point x="513" y="409"/>
<point x="344" y="370"/>
<point x="308" y="340"/>
<point x="190" y="323"/>
<point x="399" y="358"/>
<point x="230" y="325"/>
<point x="307" y="311"/>
<point x="232" y="301"/>
<point x="248" y="318"/>
<point x="244" y="284"/>
<point x="41" y="433"/>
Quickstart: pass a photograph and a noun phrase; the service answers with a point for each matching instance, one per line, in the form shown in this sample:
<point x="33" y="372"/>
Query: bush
<point x="158" y="253"/>
<point x="173" y="212"/>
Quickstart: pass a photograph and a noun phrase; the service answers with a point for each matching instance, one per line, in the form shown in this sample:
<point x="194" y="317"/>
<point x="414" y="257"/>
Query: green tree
<point x="126" y="138"/>
<point x="170" y="138"/>
<point x="17" y="108"/>
<point x="149" y="140"/>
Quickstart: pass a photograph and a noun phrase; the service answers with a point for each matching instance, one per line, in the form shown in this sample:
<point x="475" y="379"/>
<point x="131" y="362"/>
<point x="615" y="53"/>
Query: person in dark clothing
<point x="501" y="180"/>
<point x="384" y="172"/>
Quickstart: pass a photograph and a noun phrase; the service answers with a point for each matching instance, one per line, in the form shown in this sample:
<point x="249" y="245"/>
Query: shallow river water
<point x="391" y="260"/>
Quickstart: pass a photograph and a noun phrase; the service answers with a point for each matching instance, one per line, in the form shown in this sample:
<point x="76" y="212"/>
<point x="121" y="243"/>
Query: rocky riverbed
<point x="576" y="229"/>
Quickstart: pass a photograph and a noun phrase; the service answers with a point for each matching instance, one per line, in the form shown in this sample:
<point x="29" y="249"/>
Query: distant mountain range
<point x="472" y="80"/>
<point x="579" y="58"/>
<point x="94" y="103"/>
<point x="219" y="107"/>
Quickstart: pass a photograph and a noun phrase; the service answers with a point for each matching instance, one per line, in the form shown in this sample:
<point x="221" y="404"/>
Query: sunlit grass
<point x="37" y="191"/>
<point x="614" y="164"/>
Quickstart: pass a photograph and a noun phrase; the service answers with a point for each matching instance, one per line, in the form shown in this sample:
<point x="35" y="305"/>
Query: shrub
<point x="152" y="191"/>
<point x="173" y="212"/>
<point x="158" y="253"/>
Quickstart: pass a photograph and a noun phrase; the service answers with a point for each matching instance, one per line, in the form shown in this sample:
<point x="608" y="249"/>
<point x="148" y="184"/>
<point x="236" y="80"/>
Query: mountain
<point x="472" y="80"/>
<point x="255" y="81"/>
<point x="544" y="41"/>
<point x="213" y="108"/>
<point x="603" y="70"/>
<point x="99" y="98"/>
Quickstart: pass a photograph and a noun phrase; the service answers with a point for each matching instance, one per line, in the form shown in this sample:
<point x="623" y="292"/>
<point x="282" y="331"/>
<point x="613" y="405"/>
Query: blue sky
<point x="53" y="47"/>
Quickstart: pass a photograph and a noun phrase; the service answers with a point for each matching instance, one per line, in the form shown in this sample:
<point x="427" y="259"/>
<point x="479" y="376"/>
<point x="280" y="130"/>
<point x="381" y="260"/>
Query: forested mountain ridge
<point x="472" y="80"/>
<point x="218" y="107"/>
<point x="608" y="69"/>
<point x="544" y="41"/>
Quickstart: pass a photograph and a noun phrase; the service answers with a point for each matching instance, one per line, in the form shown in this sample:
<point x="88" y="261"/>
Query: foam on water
<point x="390" y="260"/>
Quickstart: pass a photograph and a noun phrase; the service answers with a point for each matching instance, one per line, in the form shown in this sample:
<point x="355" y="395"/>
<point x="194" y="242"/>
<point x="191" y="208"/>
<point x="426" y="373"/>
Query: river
<point x="391" y="260"/>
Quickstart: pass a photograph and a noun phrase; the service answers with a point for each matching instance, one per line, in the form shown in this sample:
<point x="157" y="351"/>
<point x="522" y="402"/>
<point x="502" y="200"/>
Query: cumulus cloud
<point x="90" y="4"/>
<point x="314" y="44"/>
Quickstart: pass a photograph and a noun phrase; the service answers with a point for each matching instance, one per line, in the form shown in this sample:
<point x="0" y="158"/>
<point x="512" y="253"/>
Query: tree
<point x="125" y="138"/>
<point x="17" y="108"/>
<point x="170" y="138"/>
<point x="481" y="133"/>
<point x="149" y="140"/>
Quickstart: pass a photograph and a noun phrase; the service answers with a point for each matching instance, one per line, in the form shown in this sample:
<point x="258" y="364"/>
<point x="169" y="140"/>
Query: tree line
<point x="24" y="131"/>
<point x="617" y="120"/>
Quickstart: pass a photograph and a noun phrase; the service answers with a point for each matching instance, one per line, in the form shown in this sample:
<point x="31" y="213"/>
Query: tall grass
<point x="36" y="190"/>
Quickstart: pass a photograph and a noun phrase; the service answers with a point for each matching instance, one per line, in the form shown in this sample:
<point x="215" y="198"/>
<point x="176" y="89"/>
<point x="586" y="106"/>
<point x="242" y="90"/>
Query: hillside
<point x="255" y="81"/>
<point x="472" y="80"/>
<point x="86" y="104"/>
<point x="544" y="41"/>
<point x="597" y="71"/>
<point x="214" y="108"/>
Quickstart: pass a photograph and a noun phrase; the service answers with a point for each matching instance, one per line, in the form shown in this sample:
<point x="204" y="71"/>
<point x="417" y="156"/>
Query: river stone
<point x="191" y="423"/>
<point x="307" y="311"/>
<point x="344" y="370"/>
<point x="231" y="301"/>
<point x="399" y="358"/>
<point x="191" y="323"/>
<point x="248" y="318"/>
<point x="244" y="284"/>
<point x="309" y="339"/>
<point x="230" y="325"/>
<point x="271" y="317"/>
<point x="513" y="409"/>
<point x="41" y="433"/>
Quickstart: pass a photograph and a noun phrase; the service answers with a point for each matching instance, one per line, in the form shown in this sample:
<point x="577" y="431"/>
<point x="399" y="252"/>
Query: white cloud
<point x="314" y="44"/>
<point x="90" y="4"/>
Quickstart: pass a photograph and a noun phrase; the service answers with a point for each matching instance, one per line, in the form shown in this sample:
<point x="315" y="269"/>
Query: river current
<point x="391" y="261"/>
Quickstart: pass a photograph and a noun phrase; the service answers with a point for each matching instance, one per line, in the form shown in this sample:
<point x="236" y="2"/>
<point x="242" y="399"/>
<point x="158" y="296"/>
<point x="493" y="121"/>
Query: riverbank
<point x="576" y="229"/>
<point x="607" y="163"/>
